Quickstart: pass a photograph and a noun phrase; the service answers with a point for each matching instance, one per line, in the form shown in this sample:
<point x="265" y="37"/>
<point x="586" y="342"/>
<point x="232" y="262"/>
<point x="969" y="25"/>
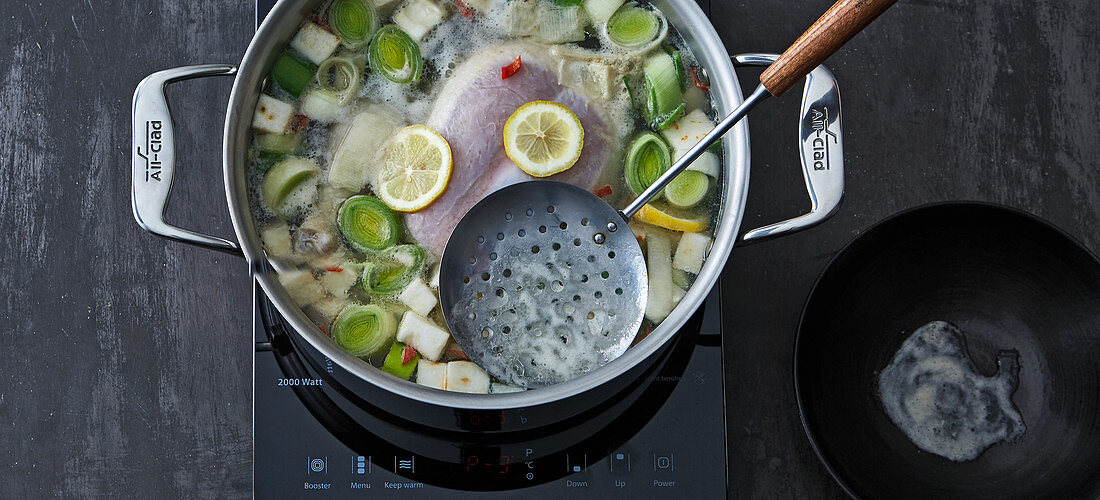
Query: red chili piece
<point x="698" y="83"/>
<point x="334" y="269"/>
<point x="511" y="69"/>
<point x="459" y="354"/>
<point x="408" y="354"/>
<point x="463" y="9"/>
<point x="323" y="330"/>
<point x="299" y="123"/>
<point x="603" y="192"/>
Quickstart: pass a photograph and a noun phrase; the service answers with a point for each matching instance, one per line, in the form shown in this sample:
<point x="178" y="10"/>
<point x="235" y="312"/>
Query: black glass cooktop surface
<point x="662" y="438"/>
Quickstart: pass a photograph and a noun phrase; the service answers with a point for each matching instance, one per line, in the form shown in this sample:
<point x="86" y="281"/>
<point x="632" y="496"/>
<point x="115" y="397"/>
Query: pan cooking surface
<point x="1005" y="279"/>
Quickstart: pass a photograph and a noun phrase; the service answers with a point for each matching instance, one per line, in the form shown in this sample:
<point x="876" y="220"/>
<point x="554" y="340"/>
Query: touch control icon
<point x="400" y="464"/>
<point x="620" y="462"/>
<point x="663" y="462"/>
<point x="573" y="464"/>
<point x="361" y="465"/>
<point x="317" y="465"/>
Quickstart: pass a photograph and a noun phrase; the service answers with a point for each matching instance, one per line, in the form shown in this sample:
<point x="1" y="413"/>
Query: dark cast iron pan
<point x="1009" y="281"/>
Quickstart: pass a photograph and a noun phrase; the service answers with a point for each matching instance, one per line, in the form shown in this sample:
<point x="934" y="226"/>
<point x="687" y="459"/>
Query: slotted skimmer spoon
<point x="542" y="281"/>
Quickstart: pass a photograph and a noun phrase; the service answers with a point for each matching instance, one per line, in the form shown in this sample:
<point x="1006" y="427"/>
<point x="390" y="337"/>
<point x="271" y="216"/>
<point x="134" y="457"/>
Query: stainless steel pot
<point x="819" y="142"/>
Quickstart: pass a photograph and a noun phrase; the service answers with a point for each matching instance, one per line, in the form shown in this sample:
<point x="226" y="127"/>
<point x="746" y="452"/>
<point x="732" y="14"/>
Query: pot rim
<point x="276" y="29"/>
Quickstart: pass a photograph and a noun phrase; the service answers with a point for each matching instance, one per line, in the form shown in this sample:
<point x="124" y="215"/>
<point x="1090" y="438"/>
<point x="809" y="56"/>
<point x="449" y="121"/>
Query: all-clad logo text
<point x="153" y="137"/>
<point x="819" y="121"/>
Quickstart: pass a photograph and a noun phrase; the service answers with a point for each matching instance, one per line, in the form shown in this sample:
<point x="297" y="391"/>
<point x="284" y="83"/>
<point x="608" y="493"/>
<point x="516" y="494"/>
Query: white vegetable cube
<point x="276" y="238"/>
<point x="418" y="297"/>
<point x="706" y="163"/>
<point x="690" y="252"/>
<point x="465" y="376"/>
<point x="495" y="388"/>
<point x="361" y="145"/>
<point x="418" y="17"/>
<point x="324" y="311"/>
<point x="338" y="283"/>
<point x="323" y="106"/>
<point x="272" y="115"/>
<point x="302" y="286"/>
<point x="419" y="332"/>
<point x="590" y="77"/>
<point x="313" y="42"/>
<point x="431" y="374"/>
<point x="686" y="133"/>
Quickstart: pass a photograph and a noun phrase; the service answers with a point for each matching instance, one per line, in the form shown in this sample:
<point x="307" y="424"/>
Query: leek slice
<point x="633" y="27"/>
<point x="278" y="143"/>
<point x="560" y="23"/>
<point x="393" y="364"/>
<point x="678" y="60"/>
<point x="665" y="121"/>
<point x="647" y="158"/>
<point x="634" y="104"/>
<point x="659" y="256"/>
<point x="687" y="189"/>
<point x="292" y="74"/>
<point x="390" y="275"/>
<point x="368" y="224"/>
<point x="341" y="76"/>
<point x="662" y="82"/>
<point x="601" y="10"/>
<point x="364" y="331"/>
<point x="284" y="178"/>
<point x="354" y="22"/>
<point x="680" y="278"/>
<point x="395" y="55"/>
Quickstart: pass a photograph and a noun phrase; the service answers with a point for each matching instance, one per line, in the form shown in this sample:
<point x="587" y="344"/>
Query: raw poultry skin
<point x="470" y="113"/>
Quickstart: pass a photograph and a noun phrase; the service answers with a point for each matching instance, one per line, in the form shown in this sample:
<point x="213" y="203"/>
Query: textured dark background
<point x="125" y="360"/>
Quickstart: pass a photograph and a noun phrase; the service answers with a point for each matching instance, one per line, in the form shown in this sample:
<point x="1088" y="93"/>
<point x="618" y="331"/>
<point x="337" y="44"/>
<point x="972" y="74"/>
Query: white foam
<point x="932" y="391"/>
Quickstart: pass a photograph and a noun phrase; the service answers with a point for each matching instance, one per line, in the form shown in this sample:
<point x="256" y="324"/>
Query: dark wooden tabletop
<point x="125" y="360"/>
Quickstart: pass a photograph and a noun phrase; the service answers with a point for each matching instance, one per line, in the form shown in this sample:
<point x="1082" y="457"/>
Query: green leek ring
<point x="395" y="55"/>
<point x="364" y="330"/>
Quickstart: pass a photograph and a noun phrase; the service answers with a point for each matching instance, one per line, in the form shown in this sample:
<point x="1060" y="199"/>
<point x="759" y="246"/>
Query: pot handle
<point x="154" y="159"/>
<point x="819" y="144"/>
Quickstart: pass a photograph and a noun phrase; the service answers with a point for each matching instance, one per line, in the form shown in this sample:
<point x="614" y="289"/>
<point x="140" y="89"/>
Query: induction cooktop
<point x="663" y="438"/>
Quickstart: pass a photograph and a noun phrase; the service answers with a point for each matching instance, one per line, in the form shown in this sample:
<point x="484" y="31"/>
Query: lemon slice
<point x="673" y="220"/>
<point x="416" y="170"/>
<point x="543" y="138"/>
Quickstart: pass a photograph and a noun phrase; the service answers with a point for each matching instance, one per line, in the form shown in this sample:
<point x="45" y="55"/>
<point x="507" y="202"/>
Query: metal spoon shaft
<point x="724" y="126"/>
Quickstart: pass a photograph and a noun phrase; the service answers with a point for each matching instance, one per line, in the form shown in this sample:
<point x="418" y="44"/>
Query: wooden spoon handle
<point x="838" y="25"/>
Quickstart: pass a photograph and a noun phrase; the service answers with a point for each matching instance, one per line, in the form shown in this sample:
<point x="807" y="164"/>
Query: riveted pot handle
<point x="820" y="147"/>
<point x="154" y="155"/>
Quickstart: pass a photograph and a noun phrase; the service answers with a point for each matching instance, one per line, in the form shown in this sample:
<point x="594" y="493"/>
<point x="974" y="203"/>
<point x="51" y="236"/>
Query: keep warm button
<point x="657" y="483"/>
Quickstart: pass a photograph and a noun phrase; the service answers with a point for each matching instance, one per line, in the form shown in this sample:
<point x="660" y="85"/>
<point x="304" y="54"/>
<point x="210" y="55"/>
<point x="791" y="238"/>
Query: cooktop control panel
<point x="666" y="442"/>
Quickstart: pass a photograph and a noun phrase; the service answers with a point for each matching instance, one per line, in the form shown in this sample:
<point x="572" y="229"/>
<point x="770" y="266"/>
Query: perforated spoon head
<point x="542" y="282"/>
